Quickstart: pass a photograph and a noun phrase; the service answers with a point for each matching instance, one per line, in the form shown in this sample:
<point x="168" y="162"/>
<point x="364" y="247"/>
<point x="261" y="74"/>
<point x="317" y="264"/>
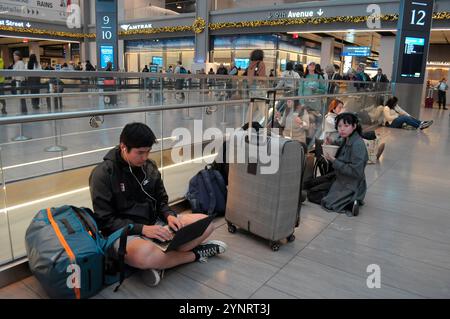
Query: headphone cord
<point x="140" y="184"/>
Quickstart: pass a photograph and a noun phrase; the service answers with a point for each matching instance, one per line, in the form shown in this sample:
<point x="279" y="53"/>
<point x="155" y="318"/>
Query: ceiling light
<point x="179" y="6"/>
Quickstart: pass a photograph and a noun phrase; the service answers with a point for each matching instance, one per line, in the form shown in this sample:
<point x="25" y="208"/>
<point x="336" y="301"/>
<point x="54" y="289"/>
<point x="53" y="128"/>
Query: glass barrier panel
<point x="5" y="238"/>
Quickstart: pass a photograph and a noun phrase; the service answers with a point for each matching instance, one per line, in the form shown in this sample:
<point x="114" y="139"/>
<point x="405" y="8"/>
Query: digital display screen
<point x="106" y="55"/>
<point x="356" y="51"/>
<point x="413" y="57"/>
<point x="242" y="63"/>
<point x="157" y="60"/>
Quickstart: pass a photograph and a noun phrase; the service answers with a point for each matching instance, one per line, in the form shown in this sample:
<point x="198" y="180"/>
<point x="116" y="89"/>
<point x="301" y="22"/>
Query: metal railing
<point x="33" y="176"/>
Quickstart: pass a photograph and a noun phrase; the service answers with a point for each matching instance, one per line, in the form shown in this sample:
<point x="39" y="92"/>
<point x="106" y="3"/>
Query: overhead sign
<point x="106" y="27"/>
<point x="413" y="57"/>
<point x="53" y="10"/>
<point x="15" y="23"/>
<point x="412" y="41"/>
<point x="292" y="14"/>
<point x="139" y="26"/>
<point x="356" y="51"/>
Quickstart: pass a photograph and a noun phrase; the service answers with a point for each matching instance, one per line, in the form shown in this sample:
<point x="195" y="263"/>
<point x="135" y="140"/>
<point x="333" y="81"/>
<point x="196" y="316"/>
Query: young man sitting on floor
<point x="126" y="188"/>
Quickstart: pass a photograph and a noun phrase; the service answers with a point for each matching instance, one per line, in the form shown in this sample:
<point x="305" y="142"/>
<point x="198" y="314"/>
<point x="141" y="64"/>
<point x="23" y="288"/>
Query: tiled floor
<point x="404" y="229"/>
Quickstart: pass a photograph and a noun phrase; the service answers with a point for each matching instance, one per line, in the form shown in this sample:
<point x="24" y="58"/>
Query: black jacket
<point x="383" y="78"/>
<point x="118" y="199"/>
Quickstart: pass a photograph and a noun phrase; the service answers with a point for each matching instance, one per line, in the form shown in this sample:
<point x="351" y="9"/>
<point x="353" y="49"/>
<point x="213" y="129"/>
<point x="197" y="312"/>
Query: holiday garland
<point x="199" y="25"/>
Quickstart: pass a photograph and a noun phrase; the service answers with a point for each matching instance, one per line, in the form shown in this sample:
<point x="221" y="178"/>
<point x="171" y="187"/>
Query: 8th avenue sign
<point x="295" y="14"/>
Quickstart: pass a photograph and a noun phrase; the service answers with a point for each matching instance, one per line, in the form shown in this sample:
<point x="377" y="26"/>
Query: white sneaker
<point x="151" y="277"/>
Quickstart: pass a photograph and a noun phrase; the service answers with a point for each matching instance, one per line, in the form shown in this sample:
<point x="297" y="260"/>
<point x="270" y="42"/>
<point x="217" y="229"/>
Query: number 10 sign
<point x="106" y="27"/>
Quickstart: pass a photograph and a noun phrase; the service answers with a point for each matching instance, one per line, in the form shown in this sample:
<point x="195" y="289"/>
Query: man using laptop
<point x="126" y="188"/>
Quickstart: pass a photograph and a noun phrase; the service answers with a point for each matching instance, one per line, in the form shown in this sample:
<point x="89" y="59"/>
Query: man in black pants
<point x="442" y="93"/>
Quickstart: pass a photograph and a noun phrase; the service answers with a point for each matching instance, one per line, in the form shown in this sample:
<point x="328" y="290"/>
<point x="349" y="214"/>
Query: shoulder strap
<point x="212" y="198"/>
<point x="221" y="181"/>
<point x="90" y="225"/>
<point x="122" y="252"/>
<point x="122" y="235"/>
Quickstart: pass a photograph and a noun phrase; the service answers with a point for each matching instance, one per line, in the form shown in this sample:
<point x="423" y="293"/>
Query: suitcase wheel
<point x="275" y="246"/>
<point x="291" y="238"/>
<point x="231" y="228"/>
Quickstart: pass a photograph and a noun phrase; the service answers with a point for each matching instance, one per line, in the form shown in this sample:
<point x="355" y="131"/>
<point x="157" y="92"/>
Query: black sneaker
<point x="426" y="124"/>
<point x="151" y="277"/>
<point x="209" y="249"/>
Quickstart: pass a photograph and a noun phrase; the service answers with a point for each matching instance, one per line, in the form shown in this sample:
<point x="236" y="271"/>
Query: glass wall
<point x="141" y="9"/>
<point x="5" y="239"/>
<point x="278" y="50"/>
<point x="164" y="52"/>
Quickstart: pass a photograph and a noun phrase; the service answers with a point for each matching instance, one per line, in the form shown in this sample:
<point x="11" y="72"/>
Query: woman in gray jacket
<point x="349" y="189"/>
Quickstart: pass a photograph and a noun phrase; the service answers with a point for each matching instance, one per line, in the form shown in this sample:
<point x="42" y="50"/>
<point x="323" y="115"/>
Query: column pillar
<point x="386" y="62"/>
<point x="85" y="50"/>
<point x="34" y="48"/>
<point x="121" y="54"/>
<point x="327" y="52"/>
<point x="202" y="39"/>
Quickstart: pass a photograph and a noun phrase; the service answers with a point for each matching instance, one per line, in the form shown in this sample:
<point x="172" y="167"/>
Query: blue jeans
<point x="399" y="121"/>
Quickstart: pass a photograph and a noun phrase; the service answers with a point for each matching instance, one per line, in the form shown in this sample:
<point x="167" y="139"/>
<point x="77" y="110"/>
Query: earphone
<point x="137" y="180"/>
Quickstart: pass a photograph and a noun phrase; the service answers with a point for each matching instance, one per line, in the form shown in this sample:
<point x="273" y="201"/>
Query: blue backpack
<point x="69" y="256"/>
<point x="207" y="193"/>
<point x="183" y="70"/>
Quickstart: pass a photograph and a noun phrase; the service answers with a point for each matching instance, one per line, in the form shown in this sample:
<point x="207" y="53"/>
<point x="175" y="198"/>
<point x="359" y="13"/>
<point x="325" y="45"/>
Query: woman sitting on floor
<point x="343" y="190"/>
<point x="395" y="116"/>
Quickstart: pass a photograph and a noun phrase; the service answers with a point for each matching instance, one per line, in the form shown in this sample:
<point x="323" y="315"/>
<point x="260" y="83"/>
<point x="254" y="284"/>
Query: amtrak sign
<point x="141" y="26"/>
<point x="292" y="14"/>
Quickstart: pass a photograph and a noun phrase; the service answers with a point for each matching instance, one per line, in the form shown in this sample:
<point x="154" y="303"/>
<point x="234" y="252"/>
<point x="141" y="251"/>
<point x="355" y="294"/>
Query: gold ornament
<point x="441" y="15"/>
<point x="199" y="25"/>
<point x="156" y="30"/>
<point x="48" y="32"/>
<point x="298" y="21"/>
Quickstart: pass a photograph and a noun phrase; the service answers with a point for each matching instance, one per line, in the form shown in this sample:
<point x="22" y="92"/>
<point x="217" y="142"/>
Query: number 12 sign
<point x="418" y="15"/>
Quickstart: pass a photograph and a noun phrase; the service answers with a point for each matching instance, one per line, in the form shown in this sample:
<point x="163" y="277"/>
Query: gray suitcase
<point x="267" y="205"/>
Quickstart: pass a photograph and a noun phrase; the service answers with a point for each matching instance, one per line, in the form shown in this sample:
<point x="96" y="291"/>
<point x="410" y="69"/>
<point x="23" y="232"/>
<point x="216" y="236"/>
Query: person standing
<point x="222" y="70"/>
<point x="2" y="90"/>
<point x="380" y="78"/>
<point x="89" y="66"/>
<point x="312" y="86"/>
<point x="380" y="81"/>
<point x="179" y="82"/>
<point x="34" y="82"/>
<point x="289" y="80"/>
<point x="18" y="81"/>
<point x="362" y="76"/>
<point x="442" y="88"/>
<point x="257" y="68"/>
<point x="331" y="76"/>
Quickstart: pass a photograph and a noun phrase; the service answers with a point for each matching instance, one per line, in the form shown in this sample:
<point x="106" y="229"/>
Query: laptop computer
<point x="185" y="235"/>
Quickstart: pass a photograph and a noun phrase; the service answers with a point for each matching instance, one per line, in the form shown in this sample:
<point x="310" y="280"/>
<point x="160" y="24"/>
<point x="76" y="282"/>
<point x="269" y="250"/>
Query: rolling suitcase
<point x="265" y="203"/>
